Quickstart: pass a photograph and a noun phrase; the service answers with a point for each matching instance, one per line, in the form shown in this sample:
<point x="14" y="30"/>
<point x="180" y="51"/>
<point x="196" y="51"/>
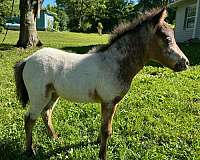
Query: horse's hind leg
<point x="31" y="116"/>
<point x="29" y="123"/>
<point x="47" y="117"/>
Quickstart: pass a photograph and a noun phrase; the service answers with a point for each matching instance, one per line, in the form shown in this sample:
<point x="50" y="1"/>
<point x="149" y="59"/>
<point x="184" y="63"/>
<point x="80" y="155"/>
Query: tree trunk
<point x="28" y="36"/>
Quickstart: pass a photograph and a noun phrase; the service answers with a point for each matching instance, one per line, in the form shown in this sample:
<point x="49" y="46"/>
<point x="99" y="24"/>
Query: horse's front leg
<point x="47" y="118"/>
<point x="108" y="110"/>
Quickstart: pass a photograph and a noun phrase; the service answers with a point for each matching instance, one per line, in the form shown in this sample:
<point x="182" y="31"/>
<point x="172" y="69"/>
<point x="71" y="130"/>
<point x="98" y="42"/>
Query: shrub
<point x="56" y="25"/>
<point x="63" y="20"/>
<point x="86" y="26"/>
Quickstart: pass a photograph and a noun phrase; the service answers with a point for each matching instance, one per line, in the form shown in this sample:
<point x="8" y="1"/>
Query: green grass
<point x="158" y="119"/>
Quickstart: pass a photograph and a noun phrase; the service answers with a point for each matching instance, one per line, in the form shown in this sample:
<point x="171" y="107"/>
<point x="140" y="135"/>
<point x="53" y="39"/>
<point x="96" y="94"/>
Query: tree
<point x="28" y="36"/>
<point x="84" y="13"/>
<point x="63" y="20"/>
<point x="77" y="11"/>
<point x="115" y="13"/>
<point x="72" y="9"/>
<point x="148" y="4"/>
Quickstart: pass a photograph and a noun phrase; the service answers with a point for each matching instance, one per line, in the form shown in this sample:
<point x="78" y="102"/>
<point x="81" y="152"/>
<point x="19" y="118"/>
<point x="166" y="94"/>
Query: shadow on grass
<point x="79" y="50"/>
<point x="12" y="149"/>
<point x="6" y="47"/>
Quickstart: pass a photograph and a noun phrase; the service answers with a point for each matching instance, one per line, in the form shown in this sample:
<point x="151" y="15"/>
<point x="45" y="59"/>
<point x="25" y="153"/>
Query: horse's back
<point x="72" y="75"/>
<point x="43" y="63"/>
<point x="51" y="54"/>
<point x="50" y="59"/>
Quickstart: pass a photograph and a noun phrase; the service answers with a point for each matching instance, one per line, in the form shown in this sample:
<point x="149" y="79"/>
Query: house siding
<point x="198" y="24"/>
<point x="40" y="22"/>
<point x="49" y="21"/>
<point x="181" y="33"/>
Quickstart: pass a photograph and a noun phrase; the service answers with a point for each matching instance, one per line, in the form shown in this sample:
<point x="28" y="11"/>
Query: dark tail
<point x="21" y="90"/>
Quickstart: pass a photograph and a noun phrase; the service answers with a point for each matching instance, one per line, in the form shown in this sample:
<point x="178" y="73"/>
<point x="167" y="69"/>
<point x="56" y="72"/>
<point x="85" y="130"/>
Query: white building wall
<point x="197" y="35"/>
<point x="181" y="33"/>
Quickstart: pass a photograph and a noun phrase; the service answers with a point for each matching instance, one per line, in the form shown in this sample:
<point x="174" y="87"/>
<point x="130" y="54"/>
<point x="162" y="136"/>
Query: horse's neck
<point x="129" y="56"/>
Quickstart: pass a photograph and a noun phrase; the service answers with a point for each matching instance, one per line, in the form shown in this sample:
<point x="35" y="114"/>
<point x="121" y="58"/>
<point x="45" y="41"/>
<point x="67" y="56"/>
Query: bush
<point x="86" y="26"/>
<point x="56" y="25"/>
<point x="63" y="20"/>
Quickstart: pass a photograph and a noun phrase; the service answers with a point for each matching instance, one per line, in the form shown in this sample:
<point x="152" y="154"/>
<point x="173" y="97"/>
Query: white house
<point x="187" y="19"/>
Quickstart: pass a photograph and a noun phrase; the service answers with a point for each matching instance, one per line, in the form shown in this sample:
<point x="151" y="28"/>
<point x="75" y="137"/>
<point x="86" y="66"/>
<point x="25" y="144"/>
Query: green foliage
<point x="56" y="25"/>
<point x="130" y="11"/>
<point x="72" y="9"/>
<point x="61" y="19"/>
<point x="158" y="119"/>
<point x="109" y="12"/>
<point x="147" y="4"/>
<point x="5" y="11"/>
<point x="80" y="15"/>
<point x="86" y="26"/>
<point x="171" y="15"/>
<point x="4" y="8"/>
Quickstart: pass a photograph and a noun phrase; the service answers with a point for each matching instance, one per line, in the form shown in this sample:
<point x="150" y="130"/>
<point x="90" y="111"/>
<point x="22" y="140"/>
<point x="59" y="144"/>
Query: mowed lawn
<point x="158" y="119"/>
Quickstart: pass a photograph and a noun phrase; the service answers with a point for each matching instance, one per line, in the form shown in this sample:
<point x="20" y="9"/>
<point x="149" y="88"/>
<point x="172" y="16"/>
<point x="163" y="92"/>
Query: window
<point x="190" y="14"/>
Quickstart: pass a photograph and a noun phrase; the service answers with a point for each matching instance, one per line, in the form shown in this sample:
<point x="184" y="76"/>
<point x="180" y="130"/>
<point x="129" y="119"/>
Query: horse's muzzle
<point x="183" y="64"/>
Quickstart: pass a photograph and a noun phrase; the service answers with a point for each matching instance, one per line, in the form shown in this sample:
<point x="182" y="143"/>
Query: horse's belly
<point x="76" y="96"/>
<point x="76" y="91"/>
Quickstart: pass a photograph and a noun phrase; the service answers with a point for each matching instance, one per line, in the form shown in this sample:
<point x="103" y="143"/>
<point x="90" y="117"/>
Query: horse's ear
<point x="159" y="18"/>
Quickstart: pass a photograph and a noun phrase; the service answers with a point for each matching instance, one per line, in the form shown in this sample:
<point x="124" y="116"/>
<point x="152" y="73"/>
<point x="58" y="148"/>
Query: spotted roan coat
<point x="102" y="75"/>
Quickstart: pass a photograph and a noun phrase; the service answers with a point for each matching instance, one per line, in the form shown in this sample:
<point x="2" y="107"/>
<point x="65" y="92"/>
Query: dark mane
<point x="125" y="28"/>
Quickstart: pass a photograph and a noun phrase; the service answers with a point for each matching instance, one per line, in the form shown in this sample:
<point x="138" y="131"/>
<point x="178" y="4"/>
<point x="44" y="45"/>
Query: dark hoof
<point x="102" y="157"/>
<point x="30" y="153"/>
<point x="99" y="139"/>
<point x="56" y="136"/>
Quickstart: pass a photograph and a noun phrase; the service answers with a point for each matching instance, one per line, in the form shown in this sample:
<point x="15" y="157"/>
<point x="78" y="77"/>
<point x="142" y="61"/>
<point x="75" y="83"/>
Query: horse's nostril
<point x="181" y="65"/>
